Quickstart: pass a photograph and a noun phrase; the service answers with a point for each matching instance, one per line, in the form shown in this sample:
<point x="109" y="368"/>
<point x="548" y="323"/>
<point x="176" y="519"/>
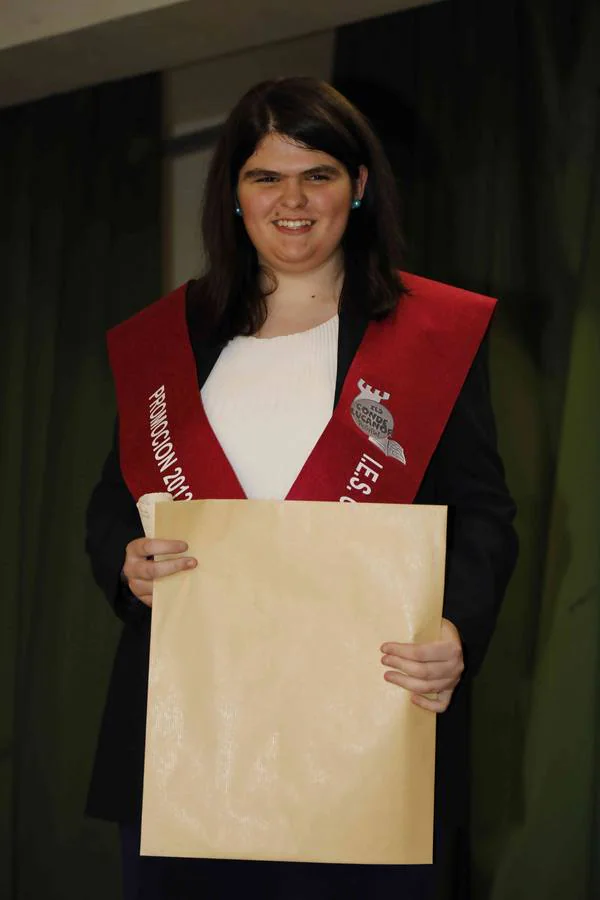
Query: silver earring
<point x="356" y="203"/>
<point x="238" y="210"/>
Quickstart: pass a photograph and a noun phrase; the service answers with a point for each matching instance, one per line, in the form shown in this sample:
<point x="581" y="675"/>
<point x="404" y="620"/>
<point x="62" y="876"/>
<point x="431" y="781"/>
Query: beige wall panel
<point x="58" y="45"/>
<point x="22" y="21"/>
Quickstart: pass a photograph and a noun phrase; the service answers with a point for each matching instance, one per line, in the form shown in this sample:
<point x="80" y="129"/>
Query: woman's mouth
<point x="293" y="226"/>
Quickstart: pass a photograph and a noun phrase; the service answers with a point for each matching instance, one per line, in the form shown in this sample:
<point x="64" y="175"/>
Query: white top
<point x="268" y="401"/>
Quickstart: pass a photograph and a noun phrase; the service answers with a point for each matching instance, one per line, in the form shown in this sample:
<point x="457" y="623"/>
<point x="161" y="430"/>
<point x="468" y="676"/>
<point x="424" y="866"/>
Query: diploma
<point x="271" y="732"/>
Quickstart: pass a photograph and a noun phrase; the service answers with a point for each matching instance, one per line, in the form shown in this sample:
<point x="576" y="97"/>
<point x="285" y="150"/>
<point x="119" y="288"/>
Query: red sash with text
<point x="396" y="400"/>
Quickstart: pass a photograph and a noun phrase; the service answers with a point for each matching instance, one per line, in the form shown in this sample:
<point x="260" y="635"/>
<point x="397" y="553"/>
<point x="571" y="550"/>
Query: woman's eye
<point x="267" y="179"/>
<point x="318" y="176"/>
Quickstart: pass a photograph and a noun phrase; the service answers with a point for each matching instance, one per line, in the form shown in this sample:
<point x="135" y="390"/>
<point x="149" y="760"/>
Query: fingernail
<point x="190" y="563"/>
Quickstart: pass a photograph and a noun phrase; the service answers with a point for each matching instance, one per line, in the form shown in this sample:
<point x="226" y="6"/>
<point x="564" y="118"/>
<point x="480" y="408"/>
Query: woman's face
<point x="295" y="203"/>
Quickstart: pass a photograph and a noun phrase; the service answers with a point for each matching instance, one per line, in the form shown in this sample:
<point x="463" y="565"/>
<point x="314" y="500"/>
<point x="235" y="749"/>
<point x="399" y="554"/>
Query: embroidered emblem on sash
<point x="375" y="420"/>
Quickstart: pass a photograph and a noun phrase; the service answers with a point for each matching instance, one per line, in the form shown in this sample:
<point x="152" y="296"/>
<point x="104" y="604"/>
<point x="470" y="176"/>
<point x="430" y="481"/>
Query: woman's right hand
<point x="140" y="569"/>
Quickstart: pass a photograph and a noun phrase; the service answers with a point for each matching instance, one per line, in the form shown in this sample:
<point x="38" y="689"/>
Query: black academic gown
<point x="465" y="473"/>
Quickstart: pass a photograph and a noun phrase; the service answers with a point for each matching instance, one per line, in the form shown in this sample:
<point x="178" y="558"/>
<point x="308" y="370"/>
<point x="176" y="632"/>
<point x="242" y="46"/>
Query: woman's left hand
<point x="427" y="669"/>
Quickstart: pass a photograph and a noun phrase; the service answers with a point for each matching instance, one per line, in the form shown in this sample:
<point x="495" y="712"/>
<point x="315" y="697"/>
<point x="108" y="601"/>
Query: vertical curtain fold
<point x="79" y="249"/>
<point x="553" y="851"/>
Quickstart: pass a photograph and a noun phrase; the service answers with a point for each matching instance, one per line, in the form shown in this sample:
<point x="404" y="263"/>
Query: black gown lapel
<point x="353" y="325"/>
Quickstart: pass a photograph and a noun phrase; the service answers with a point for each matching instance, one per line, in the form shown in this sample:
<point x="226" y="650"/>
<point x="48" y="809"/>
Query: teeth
<point x="293" y="223"/>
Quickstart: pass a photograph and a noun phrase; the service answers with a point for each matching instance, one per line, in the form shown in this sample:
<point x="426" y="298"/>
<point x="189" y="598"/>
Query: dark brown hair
<point x="228" y="297"/>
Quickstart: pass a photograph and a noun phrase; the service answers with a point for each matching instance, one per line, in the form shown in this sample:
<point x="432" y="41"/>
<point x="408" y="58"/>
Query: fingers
<point x="424" y="670"/>
<point x="140" y="571"/>
<point x="150" y="570"/>
<point x="438" y="705"/>
<point x="435" y="651"/>
<point x="144" y="547"/>
<point x="430" y="672"/>
<point x="141" y="589"/>
<point x="421" y="686"/>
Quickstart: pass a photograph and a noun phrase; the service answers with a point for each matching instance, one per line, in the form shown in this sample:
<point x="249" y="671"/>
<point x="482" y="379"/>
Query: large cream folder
<point x="271" y="733"/>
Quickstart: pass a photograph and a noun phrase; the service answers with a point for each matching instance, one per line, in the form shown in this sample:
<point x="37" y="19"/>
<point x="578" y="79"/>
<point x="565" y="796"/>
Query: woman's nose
<point x="293" y="193"/>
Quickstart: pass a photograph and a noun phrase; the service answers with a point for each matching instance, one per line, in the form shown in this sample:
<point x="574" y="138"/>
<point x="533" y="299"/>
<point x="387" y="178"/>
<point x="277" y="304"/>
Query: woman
<point x="300" y="316"/>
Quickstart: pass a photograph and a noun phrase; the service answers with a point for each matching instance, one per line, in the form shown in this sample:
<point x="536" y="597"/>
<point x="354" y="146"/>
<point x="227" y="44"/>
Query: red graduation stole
<point x="396" y="400"/>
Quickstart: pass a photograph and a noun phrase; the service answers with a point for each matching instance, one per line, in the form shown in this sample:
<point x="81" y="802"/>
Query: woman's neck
<point x="303" y="301"/>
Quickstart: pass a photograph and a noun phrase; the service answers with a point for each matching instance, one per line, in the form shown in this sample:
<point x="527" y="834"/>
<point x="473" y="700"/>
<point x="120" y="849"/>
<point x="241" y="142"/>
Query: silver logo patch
<point x="375" y="420"/>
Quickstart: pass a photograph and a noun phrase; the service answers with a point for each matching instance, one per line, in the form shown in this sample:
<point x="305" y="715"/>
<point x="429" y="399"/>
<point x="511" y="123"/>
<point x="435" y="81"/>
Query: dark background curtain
<point x="490" y="113"/>
<point x="80" y="250"/>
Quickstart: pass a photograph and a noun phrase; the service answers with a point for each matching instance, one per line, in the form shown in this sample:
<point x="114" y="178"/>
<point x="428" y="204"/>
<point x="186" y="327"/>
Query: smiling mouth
<point x="293" y="225"/>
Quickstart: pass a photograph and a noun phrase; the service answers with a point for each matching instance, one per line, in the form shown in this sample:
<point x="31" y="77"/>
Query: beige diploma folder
<point x="271" y="733"/>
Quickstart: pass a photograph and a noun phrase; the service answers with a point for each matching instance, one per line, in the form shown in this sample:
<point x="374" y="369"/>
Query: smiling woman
<point x="301" y="320"/>
<point x="295" y="204"/>
<point x="297" y="160"/>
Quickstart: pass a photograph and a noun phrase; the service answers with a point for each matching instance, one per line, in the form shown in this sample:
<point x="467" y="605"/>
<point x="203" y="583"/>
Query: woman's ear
<point x="361" y="181"/>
